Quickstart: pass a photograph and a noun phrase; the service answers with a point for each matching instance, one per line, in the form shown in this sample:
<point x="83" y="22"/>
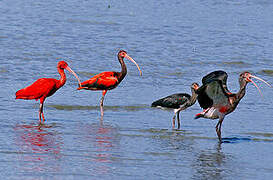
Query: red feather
<point x="43" y="87"/>
<point x="103" y="81"/>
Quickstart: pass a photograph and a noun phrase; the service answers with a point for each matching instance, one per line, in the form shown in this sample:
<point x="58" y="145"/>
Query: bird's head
<point x="123" y="54"/>
<point x="194" y="86"/>
<point x="63" y="65"/>
<point x="247" y="77"/>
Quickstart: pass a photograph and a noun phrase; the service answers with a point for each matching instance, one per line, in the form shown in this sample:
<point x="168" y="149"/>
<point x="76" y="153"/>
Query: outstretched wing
<point x="212" y="94"/>
<point x="217" y="93"/>
<point x="217" y="75"/>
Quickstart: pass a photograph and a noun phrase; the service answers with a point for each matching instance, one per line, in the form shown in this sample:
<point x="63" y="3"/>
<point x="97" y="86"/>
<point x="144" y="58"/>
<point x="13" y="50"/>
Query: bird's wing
<point x="101" y="81"/>
<point x="212" y="94"/>
<point x="217" y="75"/>
<point x="41" y="87"/>
<point x="172" y="101"/>
<point x="107" y="82"/>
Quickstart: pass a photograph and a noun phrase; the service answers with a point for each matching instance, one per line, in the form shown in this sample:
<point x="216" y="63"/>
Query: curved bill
<point x="71" y="71"/>
<point x="261" y="80"/>
<point x="257" y="87"/>
<point x="131" y="59"/>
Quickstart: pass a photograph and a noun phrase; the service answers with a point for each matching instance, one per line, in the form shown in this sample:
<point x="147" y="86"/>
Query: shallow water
<point x="175" y="43"/>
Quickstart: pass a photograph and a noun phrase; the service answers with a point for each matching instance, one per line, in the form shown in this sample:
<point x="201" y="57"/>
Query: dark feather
<point x="172" y="101"/>
<point x="212" y="93"/>
<point x="203" y="99"/>
<point x="216" y="78"/>
<point x="215" y="75"/>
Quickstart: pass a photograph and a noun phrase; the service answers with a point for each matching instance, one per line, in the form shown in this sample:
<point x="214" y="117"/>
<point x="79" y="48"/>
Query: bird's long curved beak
<point x="256" y="84"/>
<point x="256" y="87"/>
<point x="131" y="59"/>
<point x="71" y="71"/>
<point x="261" y="80"/>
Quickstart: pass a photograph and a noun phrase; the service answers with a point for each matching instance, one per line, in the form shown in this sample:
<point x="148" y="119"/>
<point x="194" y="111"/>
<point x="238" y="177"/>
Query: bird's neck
<point x="123" y="72"/>
<point x="62" y="80"/>
<point x="193" y="97"/>
<point x="241" y="93"/>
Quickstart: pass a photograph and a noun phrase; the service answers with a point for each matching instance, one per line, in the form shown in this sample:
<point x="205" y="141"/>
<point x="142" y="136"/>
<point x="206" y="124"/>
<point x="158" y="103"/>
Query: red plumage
<point x="108" y="80"/>
<point x="45" y="87"/>
<point x="41" y="88"/>
<point x="103" y="81"/>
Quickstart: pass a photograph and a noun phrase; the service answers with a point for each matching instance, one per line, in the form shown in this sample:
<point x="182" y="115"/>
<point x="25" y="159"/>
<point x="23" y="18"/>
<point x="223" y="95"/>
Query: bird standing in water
<point x="108" y="80"/>
<point x="217" y="101"/>
<point x="178" y="102"/>
<point x="45" y="87"/>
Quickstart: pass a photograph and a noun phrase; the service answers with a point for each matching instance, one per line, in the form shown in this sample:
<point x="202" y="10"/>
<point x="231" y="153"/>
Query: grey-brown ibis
<point x="217" y="101"/>
<point x="178" y="102"/>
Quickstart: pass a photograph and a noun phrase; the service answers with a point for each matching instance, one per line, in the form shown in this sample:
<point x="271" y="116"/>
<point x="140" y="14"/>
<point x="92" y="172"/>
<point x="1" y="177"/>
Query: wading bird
<point x="178" y="102"/>
<point x="217" y="101"/>
<point x="45" y="87"/>
<point x="108" y="80"/>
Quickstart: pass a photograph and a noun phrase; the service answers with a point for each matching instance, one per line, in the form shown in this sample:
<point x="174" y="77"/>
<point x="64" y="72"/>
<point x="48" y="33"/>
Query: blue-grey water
<point x="175" y="43"/>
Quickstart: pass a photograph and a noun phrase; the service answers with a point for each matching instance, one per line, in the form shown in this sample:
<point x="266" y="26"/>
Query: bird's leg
<point x="101" y="102"/>
<point x="41" y="113"/>
<point x="174" y="120"/>
<point x="176" y="112"/>
<point x="218" y="127"/>
<point x="178" y="120"/>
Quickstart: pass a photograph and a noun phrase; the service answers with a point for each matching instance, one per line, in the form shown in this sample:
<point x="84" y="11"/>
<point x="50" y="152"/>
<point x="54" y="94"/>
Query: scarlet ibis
<point x="45" y="87"/>
<point x="216" y="100"/>
<point x="108" y="80"/>
<point x="178" y="102"/>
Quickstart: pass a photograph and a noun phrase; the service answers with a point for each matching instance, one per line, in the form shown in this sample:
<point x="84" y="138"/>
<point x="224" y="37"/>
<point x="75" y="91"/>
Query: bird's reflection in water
<point x="102" y="140"/>
<point x="211" y="164"/>
<point x="38" y="148"/>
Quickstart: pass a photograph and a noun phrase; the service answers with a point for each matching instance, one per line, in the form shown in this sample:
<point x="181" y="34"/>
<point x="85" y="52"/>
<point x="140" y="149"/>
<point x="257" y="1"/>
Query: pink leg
<point x="219" y="126"/>
<point x="101" y="102"/>
<point x="41" y="110"/>
<point x="176" y="113"/>
<point x="43" y="116"/>
<point x="174" y="120"/>
<point x="41" y="113"/>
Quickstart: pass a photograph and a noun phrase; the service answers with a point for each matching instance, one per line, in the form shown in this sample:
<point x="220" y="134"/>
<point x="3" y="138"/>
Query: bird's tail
<point x="19" y="94"/>
<point x="24" y="94"/>
<point x="199" y="115"/>
<point x="82" y="86"/>
<point x="156" y="103"/>
<point x="210" y="113"/>
<point x="79" y="88"/>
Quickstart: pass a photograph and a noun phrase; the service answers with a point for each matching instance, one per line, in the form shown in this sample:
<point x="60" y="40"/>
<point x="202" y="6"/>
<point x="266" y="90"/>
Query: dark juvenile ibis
<point x="178" y="102"/>
<point x="45" y="87"/>
<point x="108" y="80"/>
<point x="216" y="100"/>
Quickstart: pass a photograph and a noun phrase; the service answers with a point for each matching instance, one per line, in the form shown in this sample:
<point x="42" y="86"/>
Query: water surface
<point x="175" y="43"/>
